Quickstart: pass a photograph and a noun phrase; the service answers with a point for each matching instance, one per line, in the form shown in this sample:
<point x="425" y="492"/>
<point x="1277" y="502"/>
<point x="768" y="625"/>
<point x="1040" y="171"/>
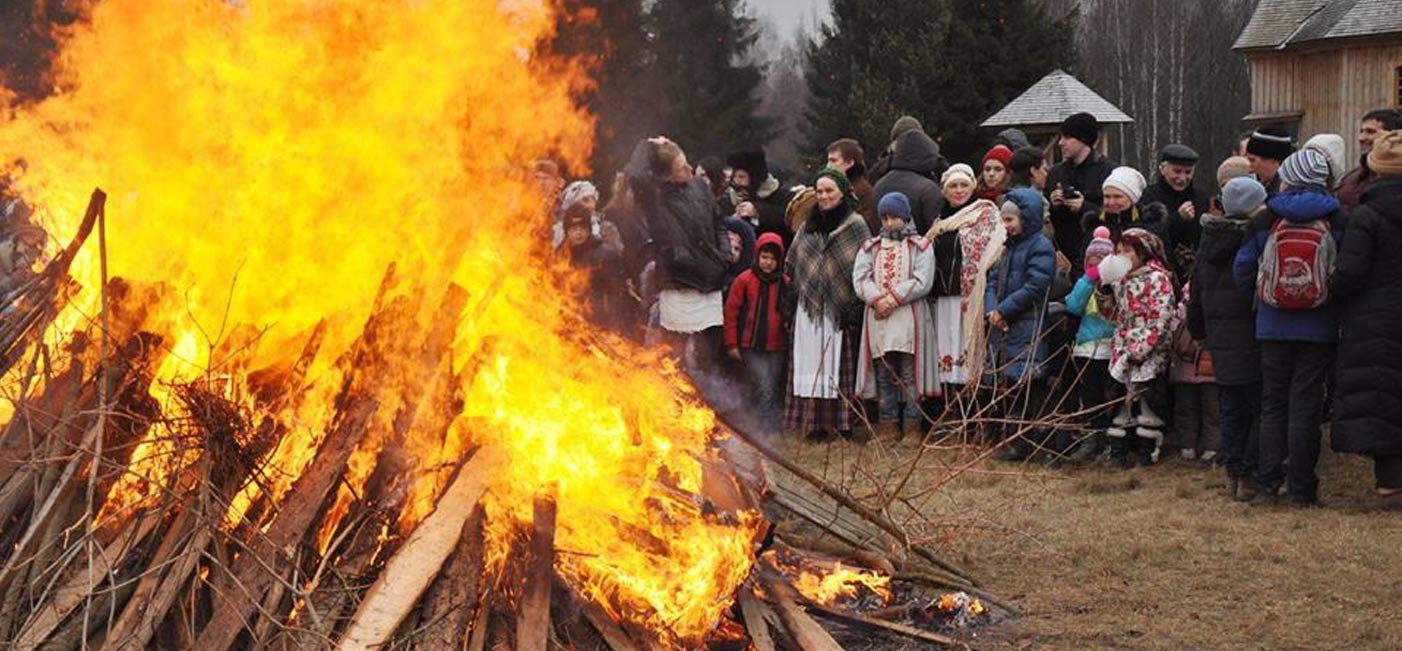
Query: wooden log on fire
<point x="533" y="611"/>
<point x="176" y="558"/>
<point x="806" y="633"/>
<point x="246" y="583"/>
<point x="426" y="406"/>
<point x="410" y="571"/>
<point x="453" y="601"/>
<point x="752" y="610"/>
<point x="874" y="625"/>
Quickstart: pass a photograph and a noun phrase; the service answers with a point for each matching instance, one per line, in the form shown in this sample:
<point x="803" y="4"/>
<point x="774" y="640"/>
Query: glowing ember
<point x="270" y="159"/>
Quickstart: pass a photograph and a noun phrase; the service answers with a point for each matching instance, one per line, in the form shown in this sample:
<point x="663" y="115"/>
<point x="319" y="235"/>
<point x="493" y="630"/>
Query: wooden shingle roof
<point x="1053" y="99"/>
<point x="1278" y="24"/>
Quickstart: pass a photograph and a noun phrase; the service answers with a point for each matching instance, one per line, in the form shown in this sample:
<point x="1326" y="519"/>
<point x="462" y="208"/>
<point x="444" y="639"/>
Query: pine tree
<point x="674" y="67"/>
<point x="610" y="39"/>
<point x="950" y="63"/>
<point x="708" y="98"/>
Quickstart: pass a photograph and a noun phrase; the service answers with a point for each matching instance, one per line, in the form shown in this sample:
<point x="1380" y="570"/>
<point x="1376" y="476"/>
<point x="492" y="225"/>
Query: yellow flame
<point x="269" y="159"/>
<point x="841" y="583"/>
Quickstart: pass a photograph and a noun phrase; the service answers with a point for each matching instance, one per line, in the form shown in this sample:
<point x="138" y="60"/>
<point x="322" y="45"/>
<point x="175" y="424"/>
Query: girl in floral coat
<point x="1137" y="296"/>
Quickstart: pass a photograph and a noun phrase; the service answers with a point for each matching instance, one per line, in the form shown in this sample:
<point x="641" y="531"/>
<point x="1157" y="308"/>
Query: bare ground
<point x="1153" y="558"/>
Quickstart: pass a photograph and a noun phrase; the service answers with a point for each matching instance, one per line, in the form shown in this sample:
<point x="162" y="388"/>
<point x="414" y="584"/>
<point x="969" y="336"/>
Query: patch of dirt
<point x="1151" y="558"/>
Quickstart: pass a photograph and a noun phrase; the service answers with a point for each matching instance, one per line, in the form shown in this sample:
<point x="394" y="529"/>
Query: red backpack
<point x="1296" y="264"/>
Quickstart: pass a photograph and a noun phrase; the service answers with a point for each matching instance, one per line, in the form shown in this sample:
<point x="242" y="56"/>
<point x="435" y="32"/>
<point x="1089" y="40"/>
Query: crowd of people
<point x="1101" y="316"/>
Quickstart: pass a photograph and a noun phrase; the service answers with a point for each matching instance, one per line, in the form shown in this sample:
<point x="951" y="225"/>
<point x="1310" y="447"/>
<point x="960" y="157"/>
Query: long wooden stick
<point x="845" y="500"/>
<point x="870" y="623"/>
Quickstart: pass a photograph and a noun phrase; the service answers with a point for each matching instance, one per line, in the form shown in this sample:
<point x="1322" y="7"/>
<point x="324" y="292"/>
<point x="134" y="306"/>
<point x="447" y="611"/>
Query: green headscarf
<point x="842" y="184"/>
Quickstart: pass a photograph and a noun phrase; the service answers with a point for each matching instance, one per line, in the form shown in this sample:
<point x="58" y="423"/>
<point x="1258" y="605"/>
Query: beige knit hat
<point x="1386" y="157"/>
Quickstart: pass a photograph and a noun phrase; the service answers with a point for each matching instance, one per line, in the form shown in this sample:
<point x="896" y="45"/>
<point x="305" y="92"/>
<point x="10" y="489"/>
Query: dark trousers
<point x="766" y="372"/>
<point x="1239" y="412"/>
<point x="1095" y="389"/>
<point x="1196" y="418"/>
<point x="1292" y="406"/>
<point x="1388" y="471"/>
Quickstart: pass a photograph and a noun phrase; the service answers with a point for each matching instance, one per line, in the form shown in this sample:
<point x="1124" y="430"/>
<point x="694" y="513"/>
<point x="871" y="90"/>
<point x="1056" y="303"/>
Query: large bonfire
<point x="305" y="365"/>
<point x="266" y="163"/>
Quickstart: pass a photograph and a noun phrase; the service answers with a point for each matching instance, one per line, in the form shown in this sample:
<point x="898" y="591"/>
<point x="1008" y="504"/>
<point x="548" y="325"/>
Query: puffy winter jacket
<point x="1219" y="311"/>
<point x="1093" y="327"/>
<point x="1018" y="288"/>
<point x="1298" y="205"/>
<point x="1368" y="280"/>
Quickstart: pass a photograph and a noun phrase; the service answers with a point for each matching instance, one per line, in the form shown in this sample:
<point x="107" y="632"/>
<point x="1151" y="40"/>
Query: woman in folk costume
<point x="828" y="318"/>
<point x="961" y="237"/>
<point x="893" y="274"/>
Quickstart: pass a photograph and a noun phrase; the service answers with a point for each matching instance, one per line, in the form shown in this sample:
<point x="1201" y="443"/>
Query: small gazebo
<point x="1040" y="110"/>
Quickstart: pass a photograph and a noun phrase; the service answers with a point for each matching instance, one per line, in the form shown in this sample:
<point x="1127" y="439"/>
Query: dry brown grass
<point x="1152" y="558"/>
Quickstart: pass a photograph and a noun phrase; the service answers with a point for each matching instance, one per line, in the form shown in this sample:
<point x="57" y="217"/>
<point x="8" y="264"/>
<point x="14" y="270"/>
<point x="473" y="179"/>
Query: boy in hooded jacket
<point x="756" y="327"/>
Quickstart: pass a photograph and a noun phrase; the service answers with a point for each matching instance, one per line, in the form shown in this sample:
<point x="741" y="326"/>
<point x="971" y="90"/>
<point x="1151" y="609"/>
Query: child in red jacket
<point x="756" y="331"/>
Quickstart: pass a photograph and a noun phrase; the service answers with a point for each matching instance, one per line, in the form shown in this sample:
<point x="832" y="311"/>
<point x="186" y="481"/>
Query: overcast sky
<point x="789" y="14"/>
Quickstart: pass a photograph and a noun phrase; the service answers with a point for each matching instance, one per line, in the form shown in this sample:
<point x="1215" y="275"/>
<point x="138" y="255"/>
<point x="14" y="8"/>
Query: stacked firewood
<point x="80" y="570"/>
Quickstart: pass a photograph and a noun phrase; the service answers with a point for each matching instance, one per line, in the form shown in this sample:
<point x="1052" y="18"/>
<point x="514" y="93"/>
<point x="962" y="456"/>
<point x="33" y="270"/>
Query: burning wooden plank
<point x="753" y="612"/>
<point x="806" y="632"/>
<point x="533" y="613"/>
<point x="410" y="571"/>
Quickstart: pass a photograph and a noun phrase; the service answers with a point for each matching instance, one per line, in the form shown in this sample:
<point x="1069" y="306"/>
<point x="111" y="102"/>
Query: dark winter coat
<point x="913" y="165"/>
<point x="1087" y="178"/>
<point x="1152" y="217"/>
<point x="1351" y="187"/>
<point x="1320" y="325"/>
<point x="691" y="248"/>
<point x="1218" y="311"/>
<point x="1368" y="280"/>
<point x="748" y="325"/>
<point x="1018" y="288"/>
<point x="1184" y="233"/>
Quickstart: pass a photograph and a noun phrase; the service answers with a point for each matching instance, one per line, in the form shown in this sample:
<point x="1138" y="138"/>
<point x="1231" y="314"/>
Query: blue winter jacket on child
<point x="1299" y="205"/>
<point x="1093" y="328"/>
<point x="1019" y="288"/>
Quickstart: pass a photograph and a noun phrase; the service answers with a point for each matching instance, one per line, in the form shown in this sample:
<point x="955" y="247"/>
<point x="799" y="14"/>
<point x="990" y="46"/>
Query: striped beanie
<point x="1305" y="168"/>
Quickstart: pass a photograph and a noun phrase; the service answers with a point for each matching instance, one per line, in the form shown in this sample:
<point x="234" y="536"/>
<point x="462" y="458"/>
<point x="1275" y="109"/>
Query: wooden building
<point x="1317" y="66"/>
<point x="1040" y="110"/>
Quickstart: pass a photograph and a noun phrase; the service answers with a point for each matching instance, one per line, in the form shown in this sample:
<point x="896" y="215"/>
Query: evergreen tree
<point x="950" y="63"/>
<point x="707" y="88"/>
<point x="610" y="39"/>
<point x="674" y="67"/>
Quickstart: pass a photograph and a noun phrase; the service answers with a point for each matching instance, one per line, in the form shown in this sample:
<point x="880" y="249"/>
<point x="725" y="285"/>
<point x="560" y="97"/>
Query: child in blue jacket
<point x="1092" y="351"/>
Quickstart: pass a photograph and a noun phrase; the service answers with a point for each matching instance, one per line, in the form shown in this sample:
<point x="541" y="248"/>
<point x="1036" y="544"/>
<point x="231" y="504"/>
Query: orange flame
<point x="269" y="159"/>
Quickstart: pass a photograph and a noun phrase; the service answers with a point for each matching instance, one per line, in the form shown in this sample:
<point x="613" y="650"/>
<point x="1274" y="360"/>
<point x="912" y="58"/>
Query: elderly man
<point x="1185" y="201"/>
